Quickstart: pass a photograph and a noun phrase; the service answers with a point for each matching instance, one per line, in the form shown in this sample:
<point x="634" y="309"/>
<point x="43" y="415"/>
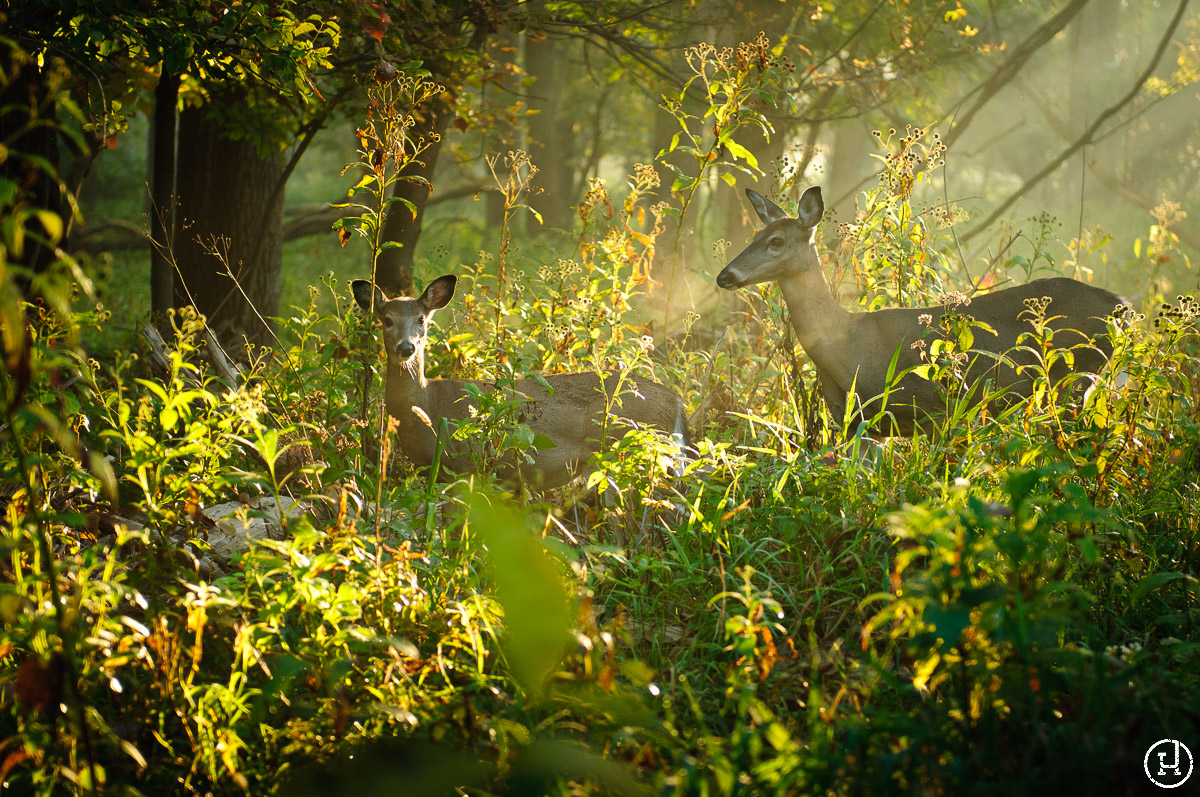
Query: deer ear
<point x="362" y="295"/>
<point x="438" y="293"/>
<point x="767" y="210"/>
<point x="811" y="207"/>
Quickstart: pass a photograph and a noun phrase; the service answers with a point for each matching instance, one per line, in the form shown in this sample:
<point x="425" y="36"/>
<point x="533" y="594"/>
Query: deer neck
<point x="823" y="327"/>
<point x="406" y="390"/>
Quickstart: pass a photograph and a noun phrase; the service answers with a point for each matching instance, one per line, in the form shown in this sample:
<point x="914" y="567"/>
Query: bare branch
<point x="1110" y="181"/>
<point x="1012" y="67"/>
<point x="1090" y="132"/>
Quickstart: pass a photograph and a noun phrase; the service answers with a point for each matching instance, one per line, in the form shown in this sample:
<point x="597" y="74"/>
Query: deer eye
<point x="775" y="242"/>
<point x="387" y="322"/>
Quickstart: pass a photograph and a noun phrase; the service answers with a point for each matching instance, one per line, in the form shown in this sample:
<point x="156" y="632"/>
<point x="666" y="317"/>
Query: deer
<point x="853" y="351"/>
<point x="576" y="411"/>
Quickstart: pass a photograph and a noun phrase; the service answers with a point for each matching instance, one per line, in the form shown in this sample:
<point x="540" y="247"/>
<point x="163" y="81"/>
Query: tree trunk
<point x="551" y="135"/>
<point x="394" y="273"/>
<point x="849" y="165"/>
<point x="230" y="222"/>
<point x="162" y="206"/>
<point x="504" y="47"/>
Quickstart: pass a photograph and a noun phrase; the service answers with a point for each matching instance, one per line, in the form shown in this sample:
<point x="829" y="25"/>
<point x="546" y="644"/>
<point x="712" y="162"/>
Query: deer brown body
<point x="566" y="408"/>
<point x="855" y="350"/>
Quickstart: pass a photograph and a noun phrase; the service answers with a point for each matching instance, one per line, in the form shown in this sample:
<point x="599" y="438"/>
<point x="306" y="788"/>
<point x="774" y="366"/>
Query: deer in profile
<point x="571" y="410"/>
<point x="853" y="351"/>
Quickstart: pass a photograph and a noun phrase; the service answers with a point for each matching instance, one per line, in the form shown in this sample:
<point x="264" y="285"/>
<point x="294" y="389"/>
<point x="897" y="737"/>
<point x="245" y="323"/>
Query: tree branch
<point x="1110" y="181"/>
<point x="1011" y="67"/>
<point x="302" y="221"/>
<point x="1090" y="132"/>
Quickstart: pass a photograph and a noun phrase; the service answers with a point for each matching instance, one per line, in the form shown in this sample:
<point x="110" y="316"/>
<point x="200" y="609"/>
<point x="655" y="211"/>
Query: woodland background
<point x="1006" y="604"/>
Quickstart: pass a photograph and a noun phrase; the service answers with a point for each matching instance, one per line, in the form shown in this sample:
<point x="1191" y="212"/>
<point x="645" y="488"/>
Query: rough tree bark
<point x="395" y="265"/>
<point x="229" y="205"/>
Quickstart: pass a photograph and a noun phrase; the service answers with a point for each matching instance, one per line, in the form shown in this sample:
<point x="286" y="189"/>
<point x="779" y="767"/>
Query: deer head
<point x="405" y="320"/>
<point x="782" y="248"/>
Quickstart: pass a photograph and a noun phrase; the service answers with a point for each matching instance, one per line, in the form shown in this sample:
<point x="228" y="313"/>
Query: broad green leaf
<point x="53" y="224"/>
<point x="543" y="443"/>
<point x="528" y="584"/>
<point x="594" y="479"/>
<point x="408" y="204"/>
<point x="923" y="371"/>
<point x="738" y="151"/>
<point x="1155" y="581"/>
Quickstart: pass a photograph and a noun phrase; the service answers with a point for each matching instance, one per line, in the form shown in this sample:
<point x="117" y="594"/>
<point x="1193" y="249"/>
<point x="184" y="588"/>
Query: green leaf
<point x="638" y="672"/>
<point x="53" y="224"/>
<point x="923" y="371"/>
<point x="415" y="179"/>
<point x="594" y="479"/>
<point x="537" y="611"/>
<point x="738" y="151"/>
<point x="522" y="437"/>
<point x="8" y="188"/>
<point x="411" y="207"/>
<point x="985" y="326"/>
<point x="1155" y="581"/>
<point x="543" y="443"/>
<point x="154" y="388"/>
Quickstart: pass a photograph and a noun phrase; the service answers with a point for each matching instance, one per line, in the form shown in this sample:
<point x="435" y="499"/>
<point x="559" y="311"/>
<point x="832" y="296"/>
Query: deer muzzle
<point x="729" y="279"/>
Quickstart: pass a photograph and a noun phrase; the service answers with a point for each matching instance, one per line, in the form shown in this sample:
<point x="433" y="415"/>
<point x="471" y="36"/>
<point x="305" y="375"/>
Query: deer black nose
<point x="405" y="349"/>
<point x="726" y="279"/>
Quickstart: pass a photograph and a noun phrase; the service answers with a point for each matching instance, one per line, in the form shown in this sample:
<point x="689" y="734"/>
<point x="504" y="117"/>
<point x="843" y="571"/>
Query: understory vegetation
<point x="1005" y="605"/>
